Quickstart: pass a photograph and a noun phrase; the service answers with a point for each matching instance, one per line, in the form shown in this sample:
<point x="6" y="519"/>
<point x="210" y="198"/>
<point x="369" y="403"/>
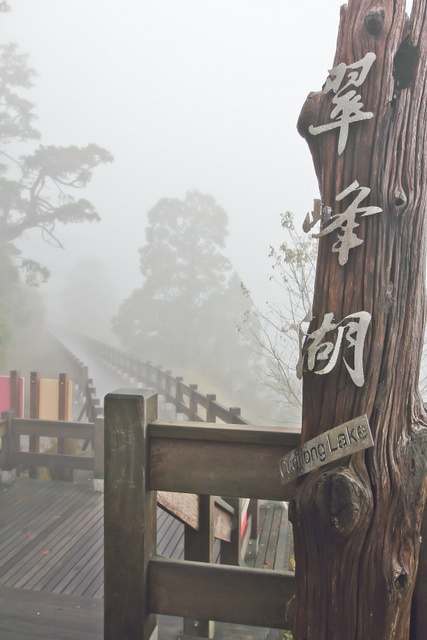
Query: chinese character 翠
<point x="317" y="350"/>
<point x="348" y="107"/>
<point x="346" y="222"/>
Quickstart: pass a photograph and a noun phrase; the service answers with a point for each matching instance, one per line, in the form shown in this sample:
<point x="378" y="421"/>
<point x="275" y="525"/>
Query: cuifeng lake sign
<point x="339" y="442"/>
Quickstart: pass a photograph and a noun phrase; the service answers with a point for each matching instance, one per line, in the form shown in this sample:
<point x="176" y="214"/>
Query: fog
<point x="187" y="95"/>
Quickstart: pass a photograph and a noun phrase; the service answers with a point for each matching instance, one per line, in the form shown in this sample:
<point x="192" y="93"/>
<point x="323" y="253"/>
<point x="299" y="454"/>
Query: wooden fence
<point x="188" y="508"/>
<point x="144" y="455"/>
<point x="12" y="457"/>
<point x="186" y="398"/>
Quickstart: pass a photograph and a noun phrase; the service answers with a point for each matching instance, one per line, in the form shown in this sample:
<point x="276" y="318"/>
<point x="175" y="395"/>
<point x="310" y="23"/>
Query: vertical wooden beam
<point x="178" y="393"/>
<point x="167" y="385"/>
<point x="199" y="547"/>
<point x="15" y="405"/>
<point x="253" y="513"/>
<point x="193" y="403"/>
<point x="130" y="520"/>
<point x="34" y="414"/>
<point x="210" y="413"/>
<point x="234" y="412"/>
<point x="7" y="444"/>
<point x="15" y="392"/>
<point x="63" y="474"/>
<point x="63" y="396"/>
<point x="159" y="374"/>
<point x="230" y="551"/>
<point x="98" y="452"/>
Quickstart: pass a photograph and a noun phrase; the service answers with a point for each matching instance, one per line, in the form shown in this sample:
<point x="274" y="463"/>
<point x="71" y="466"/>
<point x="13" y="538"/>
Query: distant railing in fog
<point x="186" y="398"/>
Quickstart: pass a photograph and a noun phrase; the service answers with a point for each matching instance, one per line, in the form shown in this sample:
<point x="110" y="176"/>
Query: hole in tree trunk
<point x="405" y="63"/>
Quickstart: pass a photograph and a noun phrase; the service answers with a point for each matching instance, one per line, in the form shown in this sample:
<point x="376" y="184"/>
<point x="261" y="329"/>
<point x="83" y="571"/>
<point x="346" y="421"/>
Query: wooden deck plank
<point x="284" y="544"/>
<point x="73" y="568"/>
<point x="76" y="561"/>
<point x="96" y="589"/>
<point x="34" y="615"/>
<point x="176" y="533"/>
<point x="29" y="516"/>
<point x="36" y="549"/>
<point x="251" y="555"/>
<point x="83" y="578"/>
<point x="270" y="555"/>
<point x="265" y="536"/>
<point x="29" y="556"/>
<point x="73" y="551"/>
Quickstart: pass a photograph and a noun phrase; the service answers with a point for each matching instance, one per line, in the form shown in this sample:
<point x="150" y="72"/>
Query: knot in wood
<point x="339" y="499"/>
<point x="400" y="198"/>
<point x="374" y="20"/>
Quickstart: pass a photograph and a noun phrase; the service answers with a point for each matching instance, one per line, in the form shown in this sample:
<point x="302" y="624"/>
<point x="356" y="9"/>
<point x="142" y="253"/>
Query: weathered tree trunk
<point x="357" y="523"/>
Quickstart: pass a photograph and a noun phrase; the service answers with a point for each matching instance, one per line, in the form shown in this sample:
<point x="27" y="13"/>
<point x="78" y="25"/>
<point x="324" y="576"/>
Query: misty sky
<point x="186" y="94"/>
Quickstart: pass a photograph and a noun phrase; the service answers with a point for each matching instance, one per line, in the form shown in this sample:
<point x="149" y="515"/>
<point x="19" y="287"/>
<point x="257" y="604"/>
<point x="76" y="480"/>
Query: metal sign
<point x="337" y="443"/>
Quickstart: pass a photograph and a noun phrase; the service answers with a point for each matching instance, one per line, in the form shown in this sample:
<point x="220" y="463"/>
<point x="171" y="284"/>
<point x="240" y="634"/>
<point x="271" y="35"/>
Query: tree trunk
<point x="357" y="523"/>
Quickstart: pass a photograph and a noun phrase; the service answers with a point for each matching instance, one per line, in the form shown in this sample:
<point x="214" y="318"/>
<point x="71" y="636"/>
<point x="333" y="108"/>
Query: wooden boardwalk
<point x="51" y="561"/>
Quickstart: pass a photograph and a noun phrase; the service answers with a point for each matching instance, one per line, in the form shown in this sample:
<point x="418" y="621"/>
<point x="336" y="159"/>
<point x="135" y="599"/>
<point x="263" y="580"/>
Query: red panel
<point x="4" y="393"/>
<point x="244" y="521"/>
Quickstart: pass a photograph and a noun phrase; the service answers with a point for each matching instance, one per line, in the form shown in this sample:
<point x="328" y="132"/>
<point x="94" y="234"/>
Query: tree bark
<point x="357" y="523"/>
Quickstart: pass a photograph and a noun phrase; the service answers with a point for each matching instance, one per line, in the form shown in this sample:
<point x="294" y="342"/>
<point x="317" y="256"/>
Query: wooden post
<point x="130" y="520"/>
<point x="231" y="551"/>
<point x="193" y="402"/>
<point x="357" y="522"/>
<point x="199" y="547"/>
<point x="7" y="447"/>
<point x="15" y="405"/>
<point x="210" y="412"/>
<point x="34" y="414"/>
<point x="234" y="412"/>
<point x="178" y="393"/>
<point x="63" y="474"/>
<point x="253" y="512"/>
<point x="98" y="453"/>
<point x="159" y="374"/>
<point x="15" y="392"/>
<point x="168" y="385"/>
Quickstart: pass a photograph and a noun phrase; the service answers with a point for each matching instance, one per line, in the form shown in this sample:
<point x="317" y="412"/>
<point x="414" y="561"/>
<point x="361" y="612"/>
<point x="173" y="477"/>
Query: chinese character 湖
<point x="350" y="333"/>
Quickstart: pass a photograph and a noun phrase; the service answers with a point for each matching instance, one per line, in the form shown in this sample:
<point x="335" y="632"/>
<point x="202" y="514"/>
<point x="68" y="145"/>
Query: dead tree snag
<point x="357" y="522"/>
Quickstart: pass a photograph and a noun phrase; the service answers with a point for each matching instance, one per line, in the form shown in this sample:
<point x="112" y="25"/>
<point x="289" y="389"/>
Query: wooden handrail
<point x="53" y="428"/>
<point x="242" y="460"/>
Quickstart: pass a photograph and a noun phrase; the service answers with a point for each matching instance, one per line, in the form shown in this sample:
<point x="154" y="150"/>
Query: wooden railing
<point x="11" y="456"/>
<point x="188" y="401"/>
<point x="79" y="373"/>
<point x="144" y="455"/>
<point x="186" y="398"/>
<point x="187" y="508"/>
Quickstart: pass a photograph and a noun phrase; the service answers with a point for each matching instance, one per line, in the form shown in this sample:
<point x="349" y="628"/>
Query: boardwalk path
<point x="51" y="561"/>
<point x="51" y="551"/>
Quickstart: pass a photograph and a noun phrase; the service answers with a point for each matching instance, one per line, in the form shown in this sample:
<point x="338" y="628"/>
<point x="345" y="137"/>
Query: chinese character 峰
<point x="346" y="222"/>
